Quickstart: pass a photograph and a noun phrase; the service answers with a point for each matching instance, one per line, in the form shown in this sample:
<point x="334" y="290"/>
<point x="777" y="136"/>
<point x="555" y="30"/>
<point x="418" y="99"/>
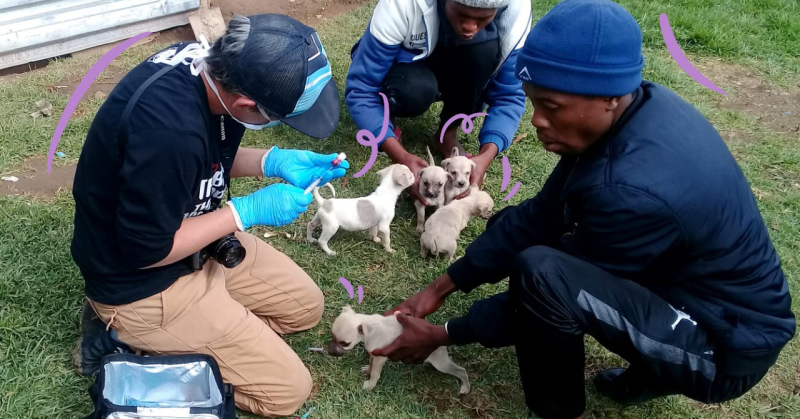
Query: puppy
<point x="374" y="212"/>
<point x="432" y="180"/>
<point x="377" y="331"/>
<point x="459" y="169"/>
<point x="443" y="228"/>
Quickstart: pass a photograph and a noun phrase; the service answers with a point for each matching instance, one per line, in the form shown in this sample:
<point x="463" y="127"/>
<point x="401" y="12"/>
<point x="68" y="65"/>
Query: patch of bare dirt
<point x="35" y="182"/>
<point x="99" y="89"/>
<point x="307" y="11"/>
<point x="748" y="93"/>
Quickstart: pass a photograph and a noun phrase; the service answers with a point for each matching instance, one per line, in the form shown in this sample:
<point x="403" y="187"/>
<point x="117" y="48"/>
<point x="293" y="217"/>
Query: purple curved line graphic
<point x="347" y="286"/>
<point x="466" y="125"/>
<point x="360" y="294"/>
<point x="83" y="86"/>
<point x="506" y="174"/>
<point x="513" y="191"/>
<point x="372" y="141"/>
<point x="680" y="58"/>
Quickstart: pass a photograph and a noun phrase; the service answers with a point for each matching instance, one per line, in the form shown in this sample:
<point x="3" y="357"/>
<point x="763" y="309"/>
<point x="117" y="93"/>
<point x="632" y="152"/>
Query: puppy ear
<point x="347" y="309"/>
<point x="450" y="177"/>
<point x="445" y="163"/>
<point x="454" y="153"/>
<point x="402" y="179"/>
<point x="473" y="164"/>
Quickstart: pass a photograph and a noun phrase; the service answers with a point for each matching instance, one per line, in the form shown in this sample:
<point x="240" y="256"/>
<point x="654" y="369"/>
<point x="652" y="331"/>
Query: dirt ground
<point x="35" y="182"/>
<point x="307" y="11"/>
<point x="748" y="93"/>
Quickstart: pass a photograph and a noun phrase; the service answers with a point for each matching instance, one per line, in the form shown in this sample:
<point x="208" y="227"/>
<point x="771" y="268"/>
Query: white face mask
<point x="211" y="83"/>
<point x="194" y="54"/>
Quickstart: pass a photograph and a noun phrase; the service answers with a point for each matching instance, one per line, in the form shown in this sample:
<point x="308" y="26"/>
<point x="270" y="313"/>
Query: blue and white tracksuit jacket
<point x="407" y="30"/>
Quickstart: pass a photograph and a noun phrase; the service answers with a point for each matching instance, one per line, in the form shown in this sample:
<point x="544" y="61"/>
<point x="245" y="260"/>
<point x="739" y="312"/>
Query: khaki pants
<point x="237" y="316"/>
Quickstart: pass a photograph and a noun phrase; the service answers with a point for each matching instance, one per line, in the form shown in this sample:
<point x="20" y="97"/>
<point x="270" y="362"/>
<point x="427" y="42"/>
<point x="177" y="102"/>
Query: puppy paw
<point x="464" y="389"/>
<point x="365" y="370"/>
<point x="390" y="250"/>
<point x="311" y="240"/>
<point x="331" y="253"/>
<point x="420" y="229"/>
<point x="376" y="239"/>
<point x="367" y="386"/>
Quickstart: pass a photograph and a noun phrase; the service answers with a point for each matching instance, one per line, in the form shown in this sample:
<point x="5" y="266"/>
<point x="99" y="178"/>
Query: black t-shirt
<point x="175" y="164"/>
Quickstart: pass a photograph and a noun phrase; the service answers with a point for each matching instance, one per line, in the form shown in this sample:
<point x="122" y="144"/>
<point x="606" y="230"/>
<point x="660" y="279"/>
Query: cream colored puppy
<point x="377" y="331"/>
<point x="374" y="212"/>
<point x="459" y="169"/>
<point x="432" y="182"/>
<point x="443" y="228"/>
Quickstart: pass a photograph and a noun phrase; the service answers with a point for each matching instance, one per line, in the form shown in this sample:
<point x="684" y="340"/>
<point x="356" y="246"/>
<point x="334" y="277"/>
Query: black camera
<point x="228" y="251"/>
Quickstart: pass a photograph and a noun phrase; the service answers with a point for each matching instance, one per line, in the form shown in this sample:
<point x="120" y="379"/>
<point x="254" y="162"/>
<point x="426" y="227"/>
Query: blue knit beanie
<point x="585" y="47"/>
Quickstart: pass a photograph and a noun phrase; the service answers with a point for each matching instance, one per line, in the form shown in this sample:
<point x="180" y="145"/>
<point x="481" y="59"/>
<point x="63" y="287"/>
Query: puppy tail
<point x="333" y="191"/>
<point x="430" y="156"/>
<point x="433" y="246"/>
<point x="317" y="197"/>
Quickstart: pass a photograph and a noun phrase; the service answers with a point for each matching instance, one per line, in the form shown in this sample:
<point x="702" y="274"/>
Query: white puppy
<point x="459" y="169"/>
<point x="443" y="228"/>
<point x="432" y="180"/>
<point x="377" y="331"/>
<point x="374" y="212"/>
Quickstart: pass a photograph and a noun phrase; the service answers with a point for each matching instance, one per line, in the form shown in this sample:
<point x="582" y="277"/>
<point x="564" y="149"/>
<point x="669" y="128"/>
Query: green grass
<point x="41" y="289"/>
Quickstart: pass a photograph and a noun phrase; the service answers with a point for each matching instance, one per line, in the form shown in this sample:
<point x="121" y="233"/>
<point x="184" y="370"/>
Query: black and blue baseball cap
<point x="283" y="67"/>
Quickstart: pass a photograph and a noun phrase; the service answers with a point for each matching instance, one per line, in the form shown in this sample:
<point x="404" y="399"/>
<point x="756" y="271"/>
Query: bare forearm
<point x="197" y="232"/>
<point x="442" y="286"/>
<point x="248" y="162"/>
<point x="393" y="149"/>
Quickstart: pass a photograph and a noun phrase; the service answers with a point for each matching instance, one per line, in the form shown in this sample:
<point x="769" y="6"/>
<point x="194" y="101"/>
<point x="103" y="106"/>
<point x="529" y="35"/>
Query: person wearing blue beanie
<point x="646" y="236"/>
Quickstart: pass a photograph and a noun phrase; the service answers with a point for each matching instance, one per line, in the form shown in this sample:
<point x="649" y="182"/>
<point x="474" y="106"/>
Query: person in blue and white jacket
<point x="460" y="52"/>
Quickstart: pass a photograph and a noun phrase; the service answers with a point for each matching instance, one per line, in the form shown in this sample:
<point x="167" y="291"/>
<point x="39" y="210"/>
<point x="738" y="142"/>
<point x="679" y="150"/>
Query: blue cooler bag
<point x="161" y="387"/>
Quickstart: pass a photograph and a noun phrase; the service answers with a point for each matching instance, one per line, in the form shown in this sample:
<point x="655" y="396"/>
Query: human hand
<point x="275" y="205"/>
<point x="302" y="167"/>
<point x="415" y="164"/>
<point x="417" y="341"/>
<point x="427" y="301"/>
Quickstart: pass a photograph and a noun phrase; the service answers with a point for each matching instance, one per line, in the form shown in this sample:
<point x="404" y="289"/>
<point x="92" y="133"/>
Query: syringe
<point x="339" y="158"/>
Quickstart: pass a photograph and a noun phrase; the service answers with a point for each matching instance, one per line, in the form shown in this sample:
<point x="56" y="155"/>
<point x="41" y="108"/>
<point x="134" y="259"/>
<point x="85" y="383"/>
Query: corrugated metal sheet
<point x="32" y="30"/>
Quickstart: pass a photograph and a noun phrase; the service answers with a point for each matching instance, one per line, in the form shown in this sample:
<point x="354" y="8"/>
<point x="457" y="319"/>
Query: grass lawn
<point x="41" y="289"/>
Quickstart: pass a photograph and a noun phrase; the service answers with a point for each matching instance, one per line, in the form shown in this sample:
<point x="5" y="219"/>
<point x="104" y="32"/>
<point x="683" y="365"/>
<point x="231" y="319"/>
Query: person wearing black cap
<point x="459" y="52"/>
<point x="646" y="236"/>
<point x="162" y="270"/>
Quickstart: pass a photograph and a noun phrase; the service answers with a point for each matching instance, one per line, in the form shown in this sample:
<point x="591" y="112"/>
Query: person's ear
<point x="244" y="102"/>
<point x="612" y="103"/>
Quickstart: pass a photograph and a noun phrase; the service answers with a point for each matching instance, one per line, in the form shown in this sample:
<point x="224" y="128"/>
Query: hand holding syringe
<point x="335" y="163"/>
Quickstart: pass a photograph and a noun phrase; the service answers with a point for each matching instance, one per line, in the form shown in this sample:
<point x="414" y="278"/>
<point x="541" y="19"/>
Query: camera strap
<point x="122" y="136"/>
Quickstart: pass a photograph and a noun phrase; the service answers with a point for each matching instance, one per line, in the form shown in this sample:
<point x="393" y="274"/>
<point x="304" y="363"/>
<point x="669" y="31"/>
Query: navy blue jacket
<point x="659" y="200"/>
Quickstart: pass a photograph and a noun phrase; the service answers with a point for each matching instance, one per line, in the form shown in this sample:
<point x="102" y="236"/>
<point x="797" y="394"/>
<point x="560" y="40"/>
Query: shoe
<point x="623" y="387"/>
<point x="95" y="343"/>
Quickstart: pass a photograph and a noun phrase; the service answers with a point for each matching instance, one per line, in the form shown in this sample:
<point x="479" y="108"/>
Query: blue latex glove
<point x="275" y="205"/>
<point x="302" y="167"/>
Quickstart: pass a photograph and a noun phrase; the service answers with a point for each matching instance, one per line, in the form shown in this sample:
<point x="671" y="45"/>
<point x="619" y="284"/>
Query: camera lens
<point x="229" y="251"/>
